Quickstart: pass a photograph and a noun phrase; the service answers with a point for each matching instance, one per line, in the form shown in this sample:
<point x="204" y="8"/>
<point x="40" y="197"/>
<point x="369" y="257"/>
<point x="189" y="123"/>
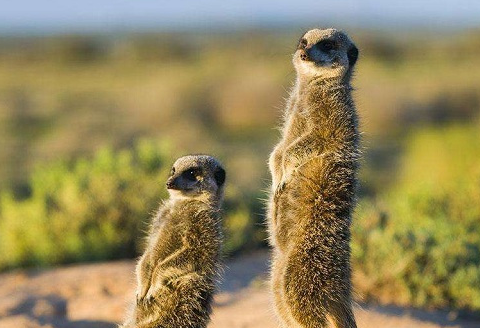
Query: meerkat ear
<point x="220" y="176"/>
<point x="352" y="55"/>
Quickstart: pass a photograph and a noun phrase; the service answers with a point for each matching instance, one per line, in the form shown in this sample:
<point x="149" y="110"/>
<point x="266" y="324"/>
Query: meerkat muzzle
<point x="304" y="55"/>
<point x="172" y="184"/>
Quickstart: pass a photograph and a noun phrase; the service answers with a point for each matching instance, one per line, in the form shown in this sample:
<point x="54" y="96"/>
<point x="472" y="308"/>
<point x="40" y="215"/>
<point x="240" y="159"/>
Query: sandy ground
<point x="97" y="296"/>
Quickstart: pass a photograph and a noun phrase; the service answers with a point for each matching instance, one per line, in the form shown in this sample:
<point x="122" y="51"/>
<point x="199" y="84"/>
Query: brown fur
<point x="314" y="177"/>
<point x="176" y="274"/>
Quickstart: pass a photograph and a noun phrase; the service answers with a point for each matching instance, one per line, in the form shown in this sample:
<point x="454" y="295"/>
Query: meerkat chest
<point x="164" y="240"/>
<point x="295" y="126"/>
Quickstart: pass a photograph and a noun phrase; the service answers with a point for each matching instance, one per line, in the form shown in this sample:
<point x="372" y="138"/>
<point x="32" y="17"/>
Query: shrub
<point x="420" y="243"/>
<point x="81" y="211"/>
<point x="243" y="222"/>
<point x="99" y="209"/>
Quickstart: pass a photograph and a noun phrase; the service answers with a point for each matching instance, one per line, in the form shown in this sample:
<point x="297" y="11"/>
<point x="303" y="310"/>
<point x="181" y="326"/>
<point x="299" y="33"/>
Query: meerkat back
<point x="177" y="273"/>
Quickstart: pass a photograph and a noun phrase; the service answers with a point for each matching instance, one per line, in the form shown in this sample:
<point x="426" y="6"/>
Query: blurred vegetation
<point x="419" y="242"/>
<point x="87" y="210"/>
<point x="99" y="208"/>
<point x="89" y="125"/>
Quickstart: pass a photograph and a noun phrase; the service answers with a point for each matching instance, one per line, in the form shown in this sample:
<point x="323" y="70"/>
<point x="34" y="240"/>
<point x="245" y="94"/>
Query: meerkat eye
<point x="302" y="44"/>
<point x="172" y="172"/>
<point x="190" y="174"/>
<point x="326" y="45"/>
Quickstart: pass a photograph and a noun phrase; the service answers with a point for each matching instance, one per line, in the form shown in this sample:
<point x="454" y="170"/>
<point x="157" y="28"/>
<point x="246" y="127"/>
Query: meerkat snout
<point x="304" y="56"/>
<point x="302" y="47"/>
<point x="308" y="51"/>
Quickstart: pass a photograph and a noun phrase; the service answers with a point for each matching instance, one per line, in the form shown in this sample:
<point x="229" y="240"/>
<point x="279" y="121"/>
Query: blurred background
<point x="97" y="99"/>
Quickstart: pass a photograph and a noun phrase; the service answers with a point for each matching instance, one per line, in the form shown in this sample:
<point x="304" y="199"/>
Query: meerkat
<point x="314" y="177"/>
<point x="177" y="273"/>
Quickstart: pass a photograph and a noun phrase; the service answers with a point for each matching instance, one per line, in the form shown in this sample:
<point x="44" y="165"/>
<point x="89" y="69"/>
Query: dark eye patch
<point x="172" y="172"/>
<point x="192" y="173"/>
<point x="326" y="45"/>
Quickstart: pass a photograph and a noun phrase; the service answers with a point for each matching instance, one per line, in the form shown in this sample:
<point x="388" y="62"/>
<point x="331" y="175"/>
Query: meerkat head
<point x="325" y="54"/>
<point x="196" y="176"/>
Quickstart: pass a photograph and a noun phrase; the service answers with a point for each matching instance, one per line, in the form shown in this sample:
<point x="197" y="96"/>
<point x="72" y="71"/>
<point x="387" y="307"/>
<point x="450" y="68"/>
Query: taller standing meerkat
<point x="314" y="177"/>
<point x="176" y="274"/>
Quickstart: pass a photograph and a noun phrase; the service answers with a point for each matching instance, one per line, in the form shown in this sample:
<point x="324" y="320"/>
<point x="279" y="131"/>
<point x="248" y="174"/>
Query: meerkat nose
<point x="171" y="184"/>
<point x="304" y="56"/>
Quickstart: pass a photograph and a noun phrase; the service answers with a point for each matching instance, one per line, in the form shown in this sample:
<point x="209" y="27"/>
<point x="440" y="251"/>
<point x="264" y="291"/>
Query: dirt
<point x="97" y="296"/>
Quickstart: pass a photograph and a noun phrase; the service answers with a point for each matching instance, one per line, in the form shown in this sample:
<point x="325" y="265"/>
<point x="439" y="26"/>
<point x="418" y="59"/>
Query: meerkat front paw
<point x="148" y="300"/>
<point x="279" y="189"/>
<point x="138" y="298"/>
<point x="145" y="300"/>
<point x="281" y="186"/>
<point x="140" y="295"/>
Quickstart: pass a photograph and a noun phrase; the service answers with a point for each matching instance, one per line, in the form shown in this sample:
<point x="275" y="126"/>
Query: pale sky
<point x="107" y="15"/>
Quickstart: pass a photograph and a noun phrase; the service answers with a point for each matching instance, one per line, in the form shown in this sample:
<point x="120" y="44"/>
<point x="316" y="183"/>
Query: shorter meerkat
<point x="176" y="274"/>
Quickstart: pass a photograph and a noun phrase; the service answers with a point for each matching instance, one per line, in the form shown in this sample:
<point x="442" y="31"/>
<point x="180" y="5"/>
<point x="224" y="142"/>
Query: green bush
<point x="87" y="210"/>
<point x="243" y="222"/>
<point x="419" y="244"/>
<point x="99" y="208"/>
